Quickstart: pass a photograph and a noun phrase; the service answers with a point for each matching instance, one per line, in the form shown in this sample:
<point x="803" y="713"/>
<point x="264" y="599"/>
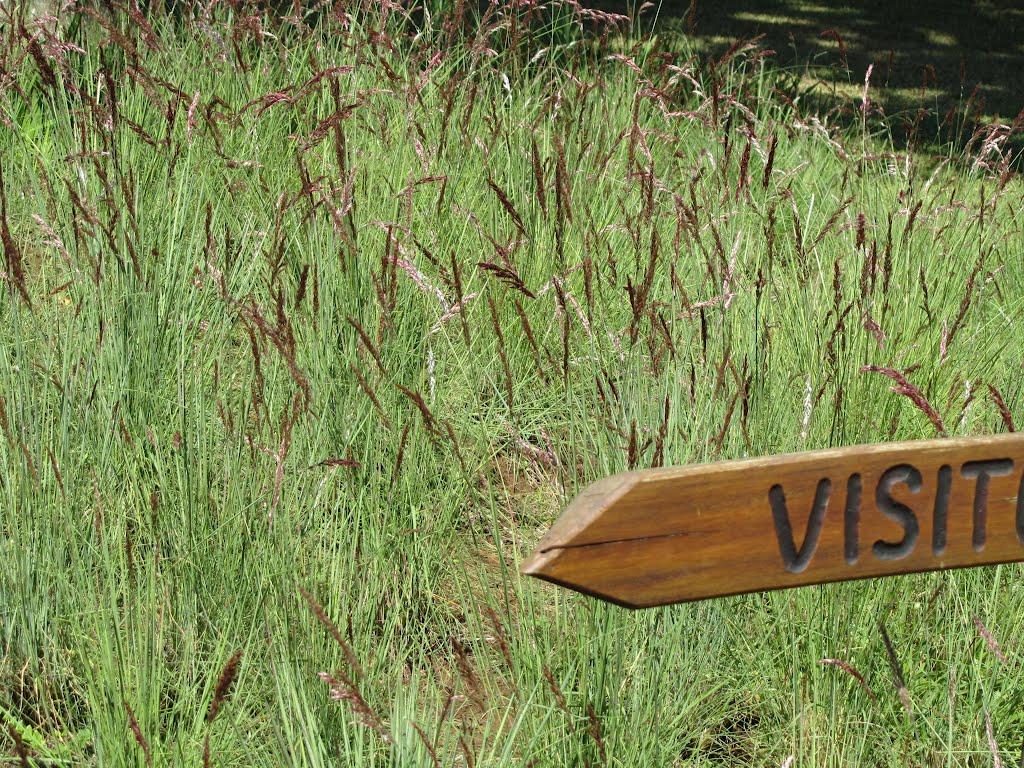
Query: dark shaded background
<point x="950" y="48"/>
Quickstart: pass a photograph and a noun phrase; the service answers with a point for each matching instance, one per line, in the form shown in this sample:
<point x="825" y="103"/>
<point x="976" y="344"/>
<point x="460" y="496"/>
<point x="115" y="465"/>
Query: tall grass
<point x="313" y="324"/>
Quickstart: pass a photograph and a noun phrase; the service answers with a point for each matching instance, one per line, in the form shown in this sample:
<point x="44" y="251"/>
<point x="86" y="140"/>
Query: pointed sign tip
<point x="585" y="510"/>
<point x="545" y="566"/>
<point x="536" y="564"/>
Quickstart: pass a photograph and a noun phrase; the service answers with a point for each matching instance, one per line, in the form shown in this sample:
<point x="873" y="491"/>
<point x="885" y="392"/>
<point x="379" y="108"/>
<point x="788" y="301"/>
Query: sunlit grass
<point x="356" y="308"/>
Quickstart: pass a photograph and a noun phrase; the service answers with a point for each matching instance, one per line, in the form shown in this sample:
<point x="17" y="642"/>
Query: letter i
<point x="851" y="519"/>
<point x="945" y="480"/>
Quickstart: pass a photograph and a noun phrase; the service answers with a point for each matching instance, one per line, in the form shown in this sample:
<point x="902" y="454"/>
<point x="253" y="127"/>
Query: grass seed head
<point x="222" y="690"/>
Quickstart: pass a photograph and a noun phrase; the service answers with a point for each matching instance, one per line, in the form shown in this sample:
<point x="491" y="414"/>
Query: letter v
<point x="797" y="561"/>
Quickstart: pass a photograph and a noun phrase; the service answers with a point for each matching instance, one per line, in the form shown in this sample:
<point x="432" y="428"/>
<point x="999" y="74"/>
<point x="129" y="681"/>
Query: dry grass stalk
<point x="993" y="746"/>
<point x="506" y="203"/>
<point x="56" y="472"/>
<point x="20" y="749"/>
<point x="35" y="50"/>
<point x="502" y="354"/>
<point x="4" y="423"/>
<point x="457" y="309"/>
<point x="282" y="336"/>
<point x="139" y="737"/>
<point x="742" y="186"/>
<point x="467" y="751"/>
<point x="595" y="731"/>
<point x="343" y="688"/>
<point x="13" y="258"/>
<point x="446" y="711"/>
<point x="430" y="747"/>
<point x="850" y="670"/>
<point x="830" y="223"/>
<point x="365" y="386"/>
<point x="989" y="639"/>
<point x="659" y="440"/>
<point x="719" y="439"/>
<point x="898" y="680"/>
<point x="832" y="33"/>
<point x="905" y="388"/>
<point x="468" y="675"/>
<point x="563" y="193"/>
<point x="534" y="347"/>
<point x="222" y="690"/>
<point x="455" y="446"/>
<point x="770" y="162"/>
<point x="948" y="333"/>
<point x="334" y="461"/>
<point x="507" y="274"/>
<point x="428" y="417"/>
<point x="221" y="693"/>
<point x="460" y="300"/>
<point x="321" y="616"/>
<point x="632" y="452"/>
<point x="300" y="291"/>
<point x="401" y="454"/>
<point x="1000" y="404"/>
<point x="540" y="184"/>
<point x="559" y="697"/>
<point x="97" y="520"/>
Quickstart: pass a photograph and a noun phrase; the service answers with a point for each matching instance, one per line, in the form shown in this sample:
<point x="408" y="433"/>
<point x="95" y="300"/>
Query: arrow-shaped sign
<point x="662" y="536"/>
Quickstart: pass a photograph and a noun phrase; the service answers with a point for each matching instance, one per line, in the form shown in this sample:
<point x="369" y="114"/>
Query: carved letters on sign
<point x="662" y="536"/>
<point x="978" y="472"/>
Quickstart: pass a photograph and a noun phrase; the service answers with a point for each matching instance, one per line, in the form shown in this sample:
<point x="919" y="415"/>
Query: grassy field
<point x="313" y="326"/>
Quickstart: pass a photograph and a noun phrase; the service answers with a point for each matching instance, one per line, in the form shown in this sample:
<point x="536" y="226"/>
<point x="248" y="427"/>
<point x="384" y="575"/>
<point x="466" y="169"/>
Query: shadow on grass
<point x="933" y="55"/>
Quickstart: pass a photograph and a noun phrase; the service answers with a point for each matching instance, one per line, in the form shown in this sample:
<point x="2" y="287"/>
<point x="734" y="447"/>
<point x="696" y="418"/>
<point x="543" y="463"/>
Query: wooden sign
<point x="662" y="536"/>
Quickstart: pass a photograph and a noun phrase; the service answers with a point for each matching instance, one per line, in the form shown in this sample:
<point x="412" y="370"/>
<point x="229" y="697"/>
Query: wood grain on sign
<point x="662" y="536"/>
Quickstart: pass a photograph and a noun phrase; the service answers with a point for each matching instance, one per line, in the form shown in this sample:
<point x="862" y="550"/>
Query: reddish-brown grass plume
<point x="1004" y="412"/>
<point x="905" y="388"/>
<point x="851" y="670"/>
<point x="13" y="258"/>
<point x="222" y="690"/>
<point x="139" y="737"/>
<point x="332" y="629"/>
<point x="221" y="693"/>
